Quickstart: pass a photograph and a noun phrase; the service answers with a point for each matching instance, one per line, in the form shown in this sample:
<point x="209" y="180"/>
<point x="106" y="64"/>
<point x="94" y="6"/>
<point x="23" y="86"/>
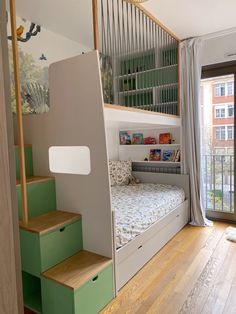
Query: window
<point x="220" y="90"/>
<point x="230" y="110"/>
<point x="220" y="112"/>
<point x="230" y="88"/>
<point x="220" y="132"/>
<point x="230" y="132"/>
<point x="224" y="89"/>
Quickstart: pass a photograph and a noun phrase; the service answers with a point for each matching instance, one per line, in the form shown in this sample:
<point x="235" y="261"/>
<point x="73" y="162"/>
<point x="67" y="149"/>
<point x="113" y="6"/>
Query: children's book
<point x="125" y="138"/>
<point x="149" y="140"/>
<point x="168" y="155"/>
<point x="165" y="138"/>
<point x="155" y="155"/>
<point x="177" y="156"/>
<point x="137" y="138"/>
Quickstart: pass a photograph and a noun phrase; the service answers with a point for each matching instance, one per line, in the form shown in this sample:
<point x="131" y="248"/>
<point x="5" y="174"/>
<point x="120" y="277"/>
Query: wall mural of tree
<point x="36" y="52"/>
<point x="34" y="84"/>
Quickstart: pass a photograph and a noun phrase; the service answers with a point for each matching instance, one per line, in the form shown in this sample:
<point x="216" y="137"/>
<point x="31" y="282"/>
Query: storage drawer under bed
<point x="137" y="253"/>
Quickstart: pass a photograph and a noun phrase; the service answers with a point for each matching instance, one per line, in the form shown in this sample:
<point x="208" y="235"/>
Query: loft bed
<point x="139" y="59"/>
<point x="76" y="118"/>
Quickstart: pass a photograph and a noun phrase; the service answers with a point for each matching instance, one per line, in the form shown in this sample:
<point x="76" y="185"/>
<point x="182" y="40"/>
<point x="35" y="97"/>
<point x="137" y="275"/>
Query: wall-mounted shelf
<point x="140" y="153"/>
<point x="149" y="145"/>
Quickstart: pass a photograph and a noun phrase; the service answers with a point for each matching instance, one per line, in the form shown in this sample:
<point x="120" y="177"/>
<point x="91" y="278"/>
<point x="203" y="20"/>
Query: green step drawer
<point x="40" y="252"/>
<point x="41" y="197"/>
<point x="95" y="294"/>
<point x="89" y="297"/>
<point x="28" y="161"/>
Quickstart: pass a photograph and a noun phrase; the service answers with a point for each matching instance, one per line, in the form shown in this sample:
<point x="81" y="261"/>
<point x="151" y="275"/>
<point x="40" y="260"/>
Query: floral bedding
<point x="137" y="207"/>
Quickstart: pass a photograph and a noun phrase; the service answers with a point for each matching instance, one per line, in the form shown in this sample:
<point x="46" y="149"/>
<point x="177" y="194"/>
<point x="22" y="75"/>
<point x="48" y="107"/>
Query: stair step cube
<point x="41" y="251"/>
<point x="28" y="161"/>
<point x="41" y="193"/>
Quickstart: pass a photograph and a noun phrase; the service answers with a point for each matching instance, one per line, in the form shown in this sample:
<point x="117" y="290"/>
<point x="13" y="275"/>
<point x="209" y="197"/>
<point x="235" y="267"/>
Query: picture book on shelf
<point x="165" y="138"/>
<point x="155" y="155"/>
<point x="125" y="138"/>
<point x="137" y="138"/>
<point x="149" y="140"/>
<point x="168" y="155"/>
<point x="177" y="156"/>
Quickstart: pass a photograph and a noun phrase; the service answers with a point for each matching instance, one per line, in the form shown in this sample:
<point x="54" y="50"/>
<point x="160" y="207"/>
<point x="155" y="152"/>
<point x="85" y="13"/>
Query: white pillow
<point x="120" y="172"/>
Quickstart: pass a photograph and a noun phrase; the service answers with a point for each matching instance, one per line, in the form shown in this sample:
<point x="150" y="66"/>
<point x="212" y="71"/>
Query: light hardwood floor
<point x="194" y="273"/>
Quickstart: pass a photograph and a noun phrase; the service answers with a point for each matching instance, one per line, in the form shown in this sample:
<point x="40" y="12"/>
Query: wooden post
<point x="11" y="298"/>
<point x="19" y="112"/>
<point x="95" y="25"/>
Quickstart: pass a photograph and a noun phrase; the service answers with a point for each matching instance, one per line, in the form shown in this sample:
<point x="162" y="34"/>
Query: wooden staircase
<point x="52" y="253"/>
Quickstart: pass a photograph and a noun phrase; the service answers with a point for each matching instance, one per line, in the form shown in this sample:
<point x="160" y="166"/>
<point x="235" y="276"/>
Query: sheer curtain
<point x="190" y="74"/>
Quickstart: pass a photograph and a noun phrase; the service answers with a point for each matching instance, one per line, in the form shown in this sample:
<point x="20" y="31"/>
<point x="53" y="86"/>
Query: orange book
<point x="165" y="138"/>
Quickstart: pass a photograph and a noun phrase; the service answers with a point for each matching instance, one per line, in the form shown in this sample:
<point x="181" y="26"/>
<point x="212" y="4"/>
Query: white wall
<point x="112" y="137"/>
<point x="54" y="46"/>
<point x="217" y="49"/>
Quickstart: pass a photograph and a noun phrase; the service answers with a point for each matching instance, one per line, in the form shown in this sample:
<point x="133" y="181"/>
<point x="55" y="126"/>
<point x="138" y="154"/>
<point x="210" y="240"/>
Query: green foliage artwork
<point x="34" y="84"/>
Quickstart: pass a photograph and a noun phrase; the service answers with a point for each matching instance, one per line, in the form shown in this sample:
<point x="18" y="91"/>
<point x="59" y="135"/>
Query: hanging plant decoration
<point x="33" y="31"/>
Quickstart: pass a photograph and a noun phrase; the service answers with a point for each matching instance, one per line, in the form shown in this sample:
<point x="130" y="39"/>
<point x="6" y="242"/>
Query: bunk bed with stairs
<point x="67" y="233"/>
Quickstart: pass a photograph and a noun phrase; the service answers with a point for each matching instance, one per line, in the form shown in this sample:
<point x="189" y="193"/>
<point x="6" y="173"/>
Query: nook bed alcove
<point x="153" y="225"/>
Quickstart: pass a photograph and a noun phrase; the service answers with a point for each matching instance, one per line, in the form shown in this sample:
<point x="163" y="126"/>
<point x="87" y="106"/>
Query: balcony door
<point x="218" y="140"/>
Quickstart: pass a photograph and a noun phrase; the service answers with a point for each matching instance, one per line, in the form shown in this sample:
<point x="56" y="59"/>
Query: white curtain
<point x="190" y="74"/>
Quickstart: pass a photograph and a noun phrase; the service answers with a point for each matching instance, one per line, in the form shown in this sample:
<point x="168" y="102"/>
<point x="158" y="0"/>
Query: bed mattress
<point x="137" y="207"/>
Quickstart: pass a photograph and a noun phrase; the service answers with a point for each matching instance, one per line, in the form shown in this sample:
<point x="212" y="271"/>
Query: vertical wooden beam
<point x="11" y="300"/>
<point x="95" y="25"/>
<point x="19" y="111"/>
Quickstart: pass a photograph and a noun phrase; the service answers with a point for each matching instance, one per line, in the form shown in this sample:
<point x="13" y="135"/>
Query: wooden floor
<point x="195" y="273"/>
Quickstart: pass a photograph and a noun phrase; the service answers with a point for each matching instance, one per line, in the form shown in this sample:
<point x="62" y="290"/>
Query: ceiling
<point x="186" y="18"/>
<point x="190" y="18"/>
<point x="71" y="18"/>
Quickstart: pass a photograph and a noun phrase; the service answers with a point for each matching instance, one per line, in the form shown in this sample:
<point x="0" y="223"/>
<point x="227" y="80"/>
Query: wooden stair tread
<point x="78" y="269"/>
<point x="51" y="221"/>
<point x="35" y="179"/>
